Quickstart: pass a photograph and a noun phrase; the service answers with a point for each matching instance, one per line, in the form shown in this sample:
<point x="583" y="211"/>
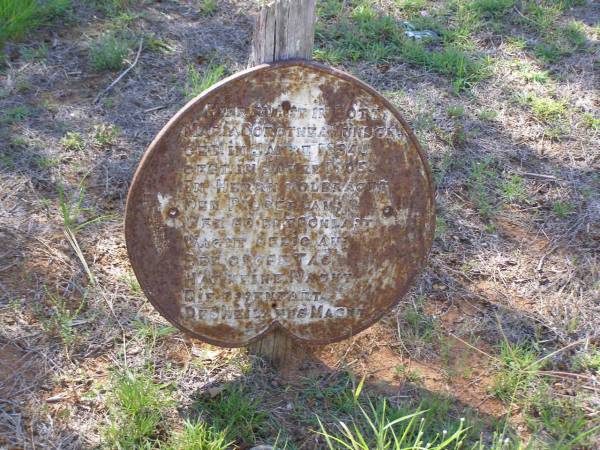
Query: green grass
<point x="562" y="209"/>
<point x="412" y="5"/>
<point x="108" y="52"/>
<point x="198" y="436"/>
<point x="590" y="360"/>
<point x="19" y="17"/>
<point x="545" y="109"/>
<point x="105" y="135"/>
<point x="208" y="7"/>
<point x="548" y="53"/>
<point x="73" y="140"/>
<point x="37" y="53"/>
<point x="151" y="332"/>
<point x="481" y="184"/>
<point x="591" y="122"/>
<point x="556" y="422"/>
<point x="456" y="111"/>
<point x="113" y="8"/>
<point x="417" y="327"/>
<point x="382" y="431"/>
<point x="492" y="8"/>
<point x="574" y="33"/>
<point x="441" y="227"/>
<point x="16" y="114"/>
<point x="487" y="114"/>
<point x="513" y="189"/>
<point x="371" y="423"/>
<point x="362" y="34"/>
<point x="136" y="409"/>
<point x="517" y="372"/>
<point x="62" y="318"/>
<point x="560" y="423"/>
<point x="530" y="74"/>
<point x="197" y="82"/>
<point x="235" y="412"/>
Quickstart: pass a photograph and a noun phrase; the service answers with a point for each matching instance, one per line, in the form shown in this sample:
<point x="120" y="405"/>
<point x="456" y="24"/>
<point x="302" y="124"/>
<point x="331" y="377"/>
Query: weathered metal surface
<point x="288" y="195"/>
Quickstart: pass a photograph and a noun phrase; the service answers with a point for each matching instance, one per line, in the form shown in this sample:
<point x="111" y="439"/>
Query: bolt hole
<point x="273" y="305"/>
<point x="173" y="212"/>
<point x="286" y="105"/>
<point x="388" y="211"/>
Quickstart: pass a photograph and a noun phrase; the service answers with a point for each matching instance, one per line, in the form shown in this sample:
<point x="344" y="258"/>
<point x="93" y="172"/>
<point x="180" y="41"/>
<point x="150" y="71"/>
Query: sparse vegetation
<point x="513" y="189"/>
<point x="545" y="109"/>
<point x="199" y="436"/>
<point x="73" y="141"/>
<point x="136" y="409"/>
<point x="197" y="82"/>
<point x="208" y="7"/>
<point x="108" y="52"/>
<point x="487" y="114"/>
<point x="16" y="114"/>
<point x="562" y="209"/>
<point x="481" y="184"/>
<point x="499" y="329"/>
<point x="456" y="111"/>
<point x="20" y="17"/>
<point x="62" y="319"/>
<point x="105" y="135"/>
<point x="236" y="412"/>
<point x="366" y="35"/>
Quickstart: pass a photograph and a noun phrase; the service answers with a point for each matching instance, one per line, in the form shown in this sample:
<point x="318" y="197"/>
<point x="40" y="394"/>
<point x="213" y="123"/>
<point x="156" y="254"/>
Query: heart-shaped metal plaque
<point x="290" y="195"/>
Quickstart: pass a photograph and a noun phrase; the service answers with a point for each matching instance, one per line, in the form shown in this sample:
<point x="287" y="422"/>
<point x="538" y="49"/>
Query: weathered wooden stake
<point x="284" y="29"/>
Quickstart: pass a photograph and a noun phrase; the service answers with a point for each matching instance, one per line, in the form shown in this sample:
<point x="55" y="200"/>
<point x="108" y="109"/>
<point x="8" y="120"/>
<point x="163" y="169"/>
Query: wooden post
<point x="284" y="29"/>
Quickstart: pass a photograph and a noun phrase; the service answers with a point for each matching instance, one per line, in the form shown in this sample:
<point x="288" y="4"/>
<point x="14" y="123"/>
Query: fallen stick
<point x="120" y="77"/>
<point x="539" y="175"/>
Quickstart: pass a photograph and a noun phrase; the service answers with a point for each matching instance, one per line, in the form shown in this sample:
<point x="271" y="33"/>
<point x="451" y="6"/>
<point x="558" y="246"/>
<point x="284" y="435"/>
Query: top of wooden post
<point x="284" y="29"/>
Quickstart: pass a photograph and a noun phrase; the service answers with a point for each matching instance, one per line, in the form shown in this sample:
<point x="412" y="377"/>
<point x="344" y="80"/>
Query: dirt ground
<point x="516" y="263"/>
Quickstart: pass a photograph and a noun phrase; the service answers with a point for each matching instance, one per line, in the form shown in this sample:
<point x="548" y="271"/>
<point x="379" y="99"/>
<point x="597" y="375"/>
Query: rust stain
<point x="290" y="195"/>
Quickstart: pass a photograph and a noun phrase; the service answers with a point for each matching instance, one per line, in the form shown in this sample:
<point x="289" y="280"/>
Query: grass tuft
<point x="136" y="409"/>
<point x="481" y="184"/>
<point x="235" y="412"/>
<point x="493" y="8"/>
<point x="513" y="189"/>
<point x="199" y="436"/>
<point x="16" y="114"/>
<point x="519" y="364"/>
<point x="108" y="52"/>
<point x="73" y="141"/>
<point x="198" y="82"/>
<point x="105" y="135"/>
<point x="545" y="109"/>
<point x="208" y="7"/>
<point x="19" y="17"/>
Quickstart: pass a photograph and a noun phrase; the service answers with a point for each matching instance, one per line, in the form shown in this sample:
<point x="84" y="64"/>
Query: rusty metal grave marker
<point x="291" y="196"/>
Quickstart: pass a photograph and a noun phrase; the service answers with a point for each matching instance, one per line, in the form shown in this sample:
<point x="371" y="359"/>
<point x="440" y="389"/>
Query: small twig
<point x="540" y="265"/>
<point x="559" y="374"/>
<point x="125" y="72"/>
<point x="156" y="108"/>
<point x="556" y="352"/>
<point x="539" y="175"/>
